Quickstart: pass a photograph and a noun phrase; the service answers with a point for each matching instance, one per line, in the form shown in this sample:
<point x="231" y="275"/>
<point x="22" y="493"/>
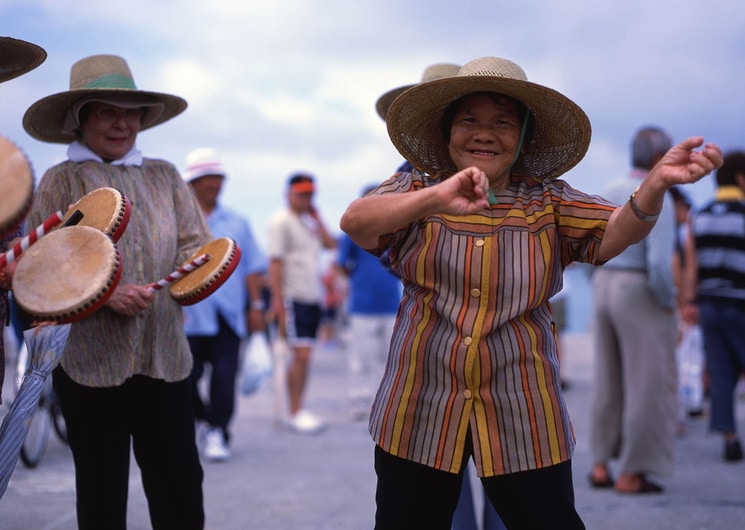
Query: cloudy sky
<point x="283" y="85"/>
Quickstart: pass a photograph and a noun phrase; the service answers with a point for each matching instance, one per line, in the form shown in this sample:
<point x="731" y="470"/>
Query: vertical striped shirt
<point x="165" y="227"/>
<point x="474" y="347"/>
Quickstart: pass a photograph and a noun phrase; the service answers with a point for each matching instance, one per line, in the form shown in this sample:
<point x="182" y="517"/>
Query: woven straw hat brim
<point x="44" y="120"/>
<point x="561" y="133"/>
<point x="18" y="57"/>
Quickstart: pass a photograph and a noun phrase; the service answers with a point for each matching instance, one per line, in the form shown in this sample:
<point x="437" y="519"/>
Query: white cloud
<point x="189" y="79"/>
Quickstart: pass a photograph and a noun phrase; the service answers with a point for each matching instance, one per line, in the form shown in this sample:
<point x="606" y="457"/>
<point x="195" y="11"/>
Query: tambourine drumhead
<point x="67" y="274"/>
<point x="106" y="209"/>
<point x="203" y="281"/>
<point x="16" y="186"/>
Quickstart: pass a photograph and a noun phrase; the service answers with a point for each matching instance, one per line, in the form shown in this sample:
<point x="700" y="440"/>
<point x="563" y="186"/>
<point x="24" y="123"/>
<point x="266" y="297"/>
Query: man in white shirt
<point x="296" y="238"/>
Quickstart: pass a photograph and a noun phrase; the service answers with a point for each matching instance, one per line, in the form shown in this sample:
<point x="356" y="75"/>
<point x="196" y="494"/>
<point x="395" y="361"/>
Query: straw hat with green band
<point x="104" y="78"/>
<point x="560" y="129"/>
<point x="18" y="57"/>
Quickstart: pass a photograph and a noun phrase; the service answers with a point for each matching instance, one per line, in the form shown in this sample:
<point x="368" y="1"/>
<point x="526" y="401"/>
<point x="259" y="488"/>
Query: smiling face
<point x="485" y="132"/>
<point x="109" y="131"/>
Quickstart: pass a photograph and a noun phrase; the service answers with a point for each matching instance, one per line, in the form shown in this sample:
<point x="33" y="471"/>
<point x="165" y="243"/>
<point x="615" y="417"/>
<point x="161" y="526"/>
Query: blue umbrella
<point x="45" y="345"/>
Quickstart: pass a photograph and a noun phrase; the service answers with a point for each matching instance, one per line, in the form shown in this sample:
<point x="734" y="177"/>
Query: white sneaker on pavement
<point x="215" y="448"/>
<point x="305" y="422"/>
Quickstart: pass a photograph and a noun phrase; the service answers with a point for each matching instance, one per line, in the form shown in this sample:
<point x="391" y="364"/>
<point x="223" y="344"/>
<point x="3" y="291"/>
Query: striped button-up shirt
<point x="474" y="347"/>
<point x="165" y="227"/>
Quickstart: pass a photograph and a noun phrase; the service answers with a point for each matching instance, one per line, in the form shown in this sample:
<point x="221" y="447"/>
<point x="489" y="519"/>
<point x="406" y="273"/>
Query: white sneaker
<point x="305" y="422"/>
<point x="215" y="448"/>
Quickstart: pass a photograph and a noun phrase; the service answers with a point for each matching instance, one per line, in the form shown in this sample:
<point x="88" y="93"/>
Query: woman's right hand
<point x="129" y="299"/>
<point x="369" y="217"/>
<point x="464" y="193"/>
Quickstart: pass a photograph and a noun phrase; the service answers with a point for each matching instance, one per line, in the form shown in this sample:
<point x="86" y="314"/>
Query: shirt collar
<point x="730" y="193"/>
<point x="78" y="152"/>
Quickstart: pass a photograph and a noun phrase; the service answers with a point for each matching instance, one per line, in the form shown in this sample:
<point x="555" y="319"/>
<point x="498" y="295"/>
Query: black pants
<point x="157" y="417"/>
<point x="412" y="496"/>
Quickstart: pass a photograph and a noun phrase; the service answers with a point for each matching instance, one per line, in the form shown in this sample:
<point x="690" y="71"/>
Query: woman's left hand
<point x="683" y="165"/>
<point x="129" y="299"/>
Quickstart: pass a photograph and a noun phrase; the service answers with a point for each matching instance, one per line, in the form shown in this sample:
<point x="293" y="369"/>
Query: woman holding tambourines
<point x="124" y="372"/>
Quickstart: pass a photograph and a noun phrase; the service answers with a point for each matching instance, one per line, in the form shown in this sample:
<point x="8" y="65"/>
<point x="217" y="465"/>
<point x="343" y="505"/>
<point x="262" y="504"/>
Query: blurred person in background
<point x="719" y="235"/>
<point x="218" y="325"/>
<point x="297" y="235"/>
<point x="634" y="405"/>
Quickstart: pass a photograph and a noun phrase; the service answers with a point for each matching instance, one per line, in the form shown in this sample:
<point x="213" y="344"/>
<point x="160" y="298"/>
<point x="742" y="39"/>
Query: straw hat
<point x="202" y="162"/>
<point x="18" y="57"/>
<point x="96" y="78"/>
<point x="432" y="72"/>
<point x="561" y="130"/>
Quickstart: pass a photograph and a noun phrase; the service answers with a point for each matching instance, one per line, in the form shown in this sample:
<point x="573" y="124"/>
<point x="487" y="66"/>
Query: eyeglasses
<point x="113" y="114"/>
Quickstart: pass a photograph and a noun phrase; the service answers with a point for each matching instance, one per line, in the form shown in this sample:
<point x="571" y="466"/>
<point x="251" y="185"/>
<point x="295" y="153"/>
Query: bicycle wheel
<point x="58" y="421"/>
<point x="35" y="444"/>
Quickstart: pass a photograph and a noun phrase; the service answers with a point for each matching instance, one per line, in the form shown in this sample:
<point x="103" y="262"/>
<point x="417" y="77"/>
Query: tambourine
<point x="107" y="209"/>
<point x="67" y="275"/>
<point x="16" y="186"/>
<point x="224" y="255"/>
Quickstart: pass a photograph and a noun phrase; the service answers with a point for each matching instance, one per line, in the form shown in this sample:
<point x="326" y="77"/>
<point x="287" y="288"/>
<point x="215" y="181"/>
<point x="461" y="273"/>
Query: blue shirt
<point x="373" y="290"/>
<point x="230" y="299"/>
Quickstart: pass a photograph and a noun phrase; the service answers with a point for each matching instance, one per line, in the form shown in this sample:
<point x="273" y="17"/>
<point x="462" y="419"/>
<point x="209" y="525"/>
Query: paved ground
<point x="277" y="480"/>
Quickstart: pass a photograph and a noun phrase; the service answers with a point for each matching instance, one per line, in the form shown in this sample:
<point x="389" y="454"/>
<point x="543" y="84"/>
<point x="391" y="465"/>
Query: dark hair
<point x="449" y="115"/>
<point x="647" y="144"/>
<point x="734" y="163"/>
<point x="83" y="114"/>
<point x="299" y="177"/>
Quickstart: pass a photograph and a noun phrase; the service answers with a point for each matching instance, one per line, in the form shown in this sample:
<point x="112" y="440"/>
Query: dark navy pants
<point x="221" y="352"/>
<point x="724" y="345"/>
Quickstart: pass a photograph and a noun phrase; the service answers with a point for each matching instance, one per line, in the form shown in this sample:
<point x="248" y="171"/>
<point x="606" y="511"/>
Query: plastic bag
<point x="690" y="369"/>
<point x="256" y="368"/>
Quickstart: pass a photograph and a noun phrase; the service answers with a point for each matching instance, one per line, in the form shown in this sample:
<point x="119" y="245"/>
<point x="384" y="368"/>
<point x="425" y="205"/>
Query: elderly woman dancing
<point x="480" y="232"/>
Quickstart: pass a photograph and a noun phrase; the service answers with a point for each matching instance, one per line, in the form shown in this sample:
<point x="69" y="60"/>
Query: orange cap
<point x="302" y="187"/>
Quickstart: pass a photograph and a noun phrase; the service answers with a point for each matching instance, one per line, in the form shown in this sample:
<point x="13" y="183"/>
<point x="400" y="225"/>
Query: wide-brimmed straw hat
<point x="202" y="162"/>
<point x="432" y="72"/>
<point x="561" y="130"/>
<point x="18" y="57"/>
<point x="104" y="78"/>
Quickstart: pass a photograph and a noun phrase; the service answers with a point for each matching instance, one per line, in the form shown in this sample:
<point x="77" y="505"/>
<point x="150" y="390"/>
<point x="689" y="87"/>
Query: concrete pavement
<point x="278" y="480"/>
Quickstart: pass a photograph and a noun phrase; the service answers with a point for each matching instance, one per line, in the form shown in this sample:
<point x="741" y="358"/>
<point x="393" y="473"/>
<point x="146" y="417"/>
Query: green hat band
<point x="112" y="81"/>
